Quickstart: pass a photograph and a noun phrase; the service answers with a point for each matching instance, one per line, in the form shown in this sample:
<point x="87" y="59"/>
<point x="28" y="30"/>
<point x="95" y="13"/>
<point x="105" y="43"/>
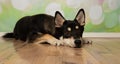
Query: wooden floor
<point x="102" y="51"/>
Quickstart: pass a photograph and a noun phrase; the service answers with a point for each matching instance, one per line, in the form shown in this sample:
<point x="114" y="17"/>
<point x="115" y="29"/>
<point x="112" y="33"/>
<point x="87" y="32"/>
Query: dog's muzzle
<point x="78" y="43"/>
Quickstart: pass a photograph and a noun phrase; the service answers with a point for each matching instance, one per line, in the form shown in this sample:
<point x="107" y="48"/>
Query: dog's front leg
<point x="49" y="39"/>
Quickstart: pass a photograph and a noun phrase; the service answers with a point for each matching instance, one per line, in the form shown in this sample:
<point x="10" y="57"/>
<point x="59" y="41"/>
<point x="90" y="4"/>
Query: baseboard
<point x="2" y="33"/>
<point x="101" y="34"/>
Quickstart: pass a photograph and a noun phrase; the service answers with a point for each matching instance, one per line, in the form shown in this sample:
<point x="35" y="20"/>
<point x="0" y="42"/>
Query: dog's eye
<point x="76" y="27"/>
<point x="69" y="29"/>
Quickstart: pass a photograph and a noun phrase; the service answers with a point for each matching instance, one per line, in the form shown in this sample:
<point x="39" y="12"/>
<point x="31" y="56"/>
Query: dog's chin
<point x="68" y="41"/>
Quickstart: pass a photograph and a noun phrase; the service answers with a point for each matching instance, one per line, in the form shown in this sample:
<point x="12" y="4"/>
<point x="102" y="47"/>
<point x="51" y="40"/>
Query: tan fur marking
<point x="48" y="38"/>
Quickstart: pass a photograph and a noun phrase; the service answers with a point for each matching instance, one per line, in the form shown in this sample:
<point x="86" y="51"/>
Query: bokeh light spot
<point x="74" y="3"/>
<point x="52" y="8"/>
<point x="96" y="14"/>
<point x="112" y="4"/>
<point x="20" y="4"/>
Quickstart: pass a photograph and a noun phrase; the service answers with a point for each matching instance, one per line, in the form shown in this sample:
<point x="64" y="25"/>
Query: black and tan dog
<point x="54" y="30"/>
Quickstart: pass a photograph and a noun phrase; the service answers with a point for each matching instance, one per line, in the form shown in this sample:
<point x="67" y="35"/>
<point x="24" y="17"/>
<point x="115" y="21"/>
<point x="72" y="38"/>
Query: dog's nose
<point x="77" y="43"/>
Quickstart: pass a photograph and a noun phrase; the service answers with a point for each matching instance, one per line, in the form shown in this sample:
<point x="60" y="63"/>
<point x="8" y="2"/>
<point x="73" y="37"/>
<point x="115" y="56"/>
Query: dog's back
<point x="28" y="27"/>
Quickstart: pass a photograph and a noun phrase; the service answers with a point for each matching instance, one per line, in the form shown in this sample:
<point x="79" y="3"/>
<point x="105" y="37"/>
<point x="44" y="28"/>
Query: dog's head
<point x="72" y="30"/>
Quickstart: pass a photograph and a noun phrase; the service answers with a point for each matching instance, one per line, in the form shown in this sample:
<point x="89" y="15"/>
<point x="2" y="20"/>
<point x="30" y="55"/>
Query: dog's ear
<point x="59" y="19"/>
<point x="80" y="17"/>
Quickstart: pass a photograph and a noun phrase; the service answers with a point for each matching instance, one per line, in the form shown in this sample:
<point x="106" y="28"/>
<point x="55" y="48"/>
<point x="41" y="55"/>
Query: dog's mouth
<point x="76" y="43"/>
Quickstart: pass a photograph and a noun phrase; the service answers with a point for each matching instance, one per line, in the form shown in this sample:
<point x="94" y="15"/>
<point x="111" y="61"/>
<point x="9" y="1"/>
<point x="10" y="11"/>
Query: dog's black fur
<point x="28" y="28"/>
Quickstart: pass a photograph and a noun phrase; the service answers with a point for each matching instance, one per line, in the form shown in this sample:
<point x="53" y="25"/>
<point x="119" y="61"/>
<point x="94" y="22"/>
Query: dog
<point x="56" y="30"/>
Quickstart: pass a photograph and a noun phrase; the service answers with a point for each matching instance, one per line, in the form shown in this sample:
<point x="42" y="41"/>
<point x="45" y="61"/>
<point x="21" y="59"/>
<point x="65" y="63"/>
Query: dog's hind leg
<point x="49" y="39"/>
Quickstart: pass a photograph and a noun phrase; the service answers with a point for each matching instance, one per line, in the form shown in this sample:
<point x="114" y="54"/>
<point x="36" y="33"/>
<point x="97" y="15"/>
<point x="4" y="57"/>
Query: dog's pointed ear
<point x="59" y="19"/>
<point x="80" y="17"/>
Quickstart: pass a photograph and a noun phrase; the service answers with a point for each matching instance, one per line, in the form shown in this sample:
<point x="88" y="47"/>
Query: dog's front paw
<point x="87" y="41"/>
<point x="55" y="42"/>
<point x="59" y="42"/>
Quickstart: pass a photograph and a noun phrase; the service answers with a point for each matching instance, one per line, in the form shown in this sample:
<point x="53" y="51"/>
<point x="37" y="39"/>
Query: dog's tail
<point x="9" y="35"/>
